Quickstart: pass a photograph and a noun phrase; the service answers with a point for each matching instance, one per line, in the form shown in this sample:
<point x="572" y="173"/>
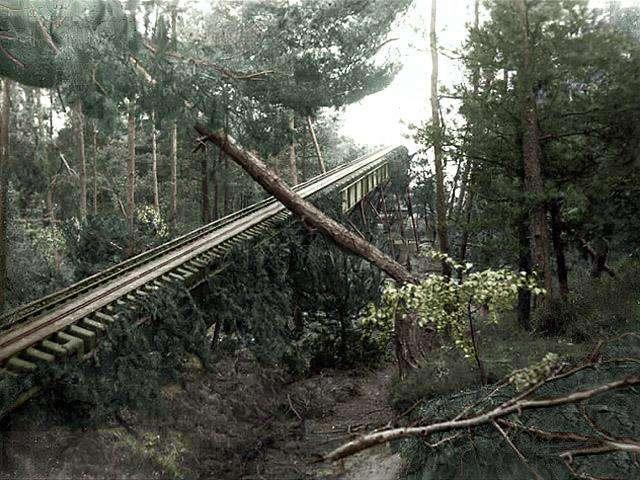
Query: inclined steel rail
<point x="68" y="322"/>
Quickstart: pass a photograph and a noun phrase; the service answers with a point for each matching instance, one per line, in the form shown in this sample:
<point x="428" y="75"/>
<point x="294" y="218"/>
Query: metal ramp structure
<point x="68" y="323"/>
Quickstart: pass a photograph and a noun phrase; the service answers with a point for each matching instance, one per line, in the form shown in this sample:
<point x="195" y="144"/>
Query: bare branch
<point x="371" y="440"/>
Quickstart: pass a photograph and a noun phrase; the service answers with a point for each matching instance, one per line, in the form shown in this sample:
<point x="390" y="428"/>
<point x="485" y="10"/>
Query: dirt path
<point x="367" y="410"/>
<point x="237" y="423"/>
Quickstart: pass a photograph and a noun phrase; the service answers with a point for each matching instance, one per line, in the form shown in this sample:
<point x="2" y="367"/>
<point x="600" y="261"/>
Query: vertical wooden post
<point x="316" y="145"/>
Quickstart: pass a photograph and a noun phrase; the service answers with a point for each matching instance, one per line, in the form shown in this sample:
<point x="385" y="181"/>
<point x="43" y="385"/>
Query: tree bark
<point x="5" y="121"/>
<point x="215" y="211"/>
<point x="79" y="132"/>
<point x="414" y="225"/>
<point x="154" y="163"/>
<point x="204" y="189"/>
<point x="464" y="241"/>
<point x="531" y="153"/>
<point x="307" y="212"/>
<point x="226" y="196"/>
<point x="559" y="247"/>
<point x="323" y="168"/>
<point x="292" y="150"/>
<point x="174" y="174"/>
<point x="441" y="205"/>
<point x="131" y="177"/>
<point x="94" y="179"/>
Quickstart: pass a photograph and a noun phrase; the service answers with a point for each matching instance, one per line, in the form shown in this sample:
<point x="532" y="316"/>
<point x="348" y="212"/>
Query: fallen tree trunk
<point x="304" y="210"/>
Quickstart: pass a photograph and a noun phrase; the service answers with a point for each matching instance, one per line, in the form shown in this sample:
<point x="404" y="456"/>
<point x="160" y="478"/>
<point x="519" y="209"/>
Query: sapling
<point x="452" y="305"/>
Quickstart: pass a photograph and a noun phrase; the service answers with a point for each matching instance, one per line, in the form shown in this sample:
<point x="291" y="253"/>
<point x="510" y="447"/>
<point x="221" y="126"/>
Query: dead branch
<point x="371" y="440"/>
<point x="522" y="458"/>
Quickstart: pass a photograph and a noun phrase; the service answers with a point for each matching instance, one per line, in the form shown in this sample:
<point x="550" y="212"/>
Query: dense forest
<point x="472" y="312"/>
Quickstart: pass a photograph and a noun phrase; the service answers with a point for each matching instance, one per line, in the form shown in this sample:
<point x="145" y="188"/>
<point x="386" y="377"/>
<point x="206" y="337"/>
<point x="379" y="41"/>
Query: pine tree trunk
<point x="215" y="181"/>
<point x="174" y="174"/>
<point x="95" y="168"/>
<point x="531" y="153"/>
<point x="292" y="150"/>
<point x="131" y="177"/>
<point x="204" y="189"/>
<point x="316" y="145"/>
<point x="559" y="247"/>
<point x="154" y="163"/>
<point x="79" y="132"/>
<point x="5" y="121"/>
<point x="464" y="240"/>
<point x="226" y="194"/>
<point x="441" y="212"/>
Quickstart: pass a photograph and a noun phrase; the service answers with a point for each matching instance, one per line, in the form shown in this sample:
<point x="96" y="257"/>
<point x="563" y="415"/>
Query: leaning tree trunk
<point x="79" y="132"/>
<point x="174" y="174"/>
<point x="131" y="177"/>
<point x="318" y="220"/>
<point x="5" y="118"/>
<point x="154" y="163"/>
<point x="441" y="201"/>
<point x="292" y="150"/>
<point x="531" y="153"/>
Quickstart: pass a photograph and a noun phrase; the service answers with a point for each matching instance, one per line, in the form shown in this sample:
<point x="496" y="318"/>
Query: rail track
<point x="69" y="322"/>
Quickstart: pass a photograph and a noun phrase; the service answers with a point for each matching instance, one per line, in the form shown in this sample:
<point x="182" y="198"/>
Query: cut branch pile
<point x="508" y="417"/>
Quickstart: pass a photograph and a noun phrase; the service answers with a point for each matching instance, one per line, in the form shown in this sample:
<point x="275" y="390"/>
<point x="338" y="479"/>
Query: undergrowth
<point x="446" y="383"/>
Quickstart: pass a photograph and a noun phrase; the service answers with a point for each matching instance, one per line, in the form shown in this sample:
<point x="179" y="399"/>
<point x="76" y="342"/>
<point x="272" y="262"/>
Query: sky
<point x="383" y="118"/>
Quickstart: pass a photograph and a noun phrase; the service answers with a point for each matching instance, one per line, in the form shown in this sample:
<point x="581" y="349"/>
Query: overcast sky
<point x="382" y="118"/>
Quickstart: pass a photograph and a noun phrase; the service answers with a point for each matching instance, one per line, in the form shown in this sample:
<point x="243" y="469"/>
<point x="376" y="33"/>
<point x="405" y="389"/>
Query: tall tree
<point x="532" y="156"/>
<point x="292" y="149"/>
<point x="441" y="200"/>
<point x="5" y="118"/>
<point x="131" y="175"/>
<point x="154" y="162"/>
<point x="82" y="163"/>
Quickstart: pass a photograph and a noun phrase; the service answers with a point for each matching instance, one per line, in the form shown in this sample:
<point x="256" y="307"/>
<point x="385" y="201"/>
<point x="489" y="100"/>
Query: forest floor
<point x="239" y="422"/>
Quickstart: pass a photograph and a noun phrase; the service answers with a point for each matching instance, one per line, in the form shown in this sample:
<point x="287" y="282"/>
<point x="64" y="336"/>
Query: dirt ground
<point x="236" y="423"/>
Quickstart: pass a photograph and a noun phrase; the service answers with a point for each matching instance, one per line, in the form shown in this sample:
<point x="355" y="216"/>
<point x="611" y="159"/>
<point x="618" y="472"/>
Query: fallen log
<point x="304" y="210"/>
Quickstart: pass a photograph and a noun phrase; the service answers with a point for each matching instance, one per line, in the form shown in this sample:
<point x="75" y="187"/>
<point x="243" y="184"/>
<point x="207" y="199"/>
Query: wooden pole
<point x="316" y="145"/>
